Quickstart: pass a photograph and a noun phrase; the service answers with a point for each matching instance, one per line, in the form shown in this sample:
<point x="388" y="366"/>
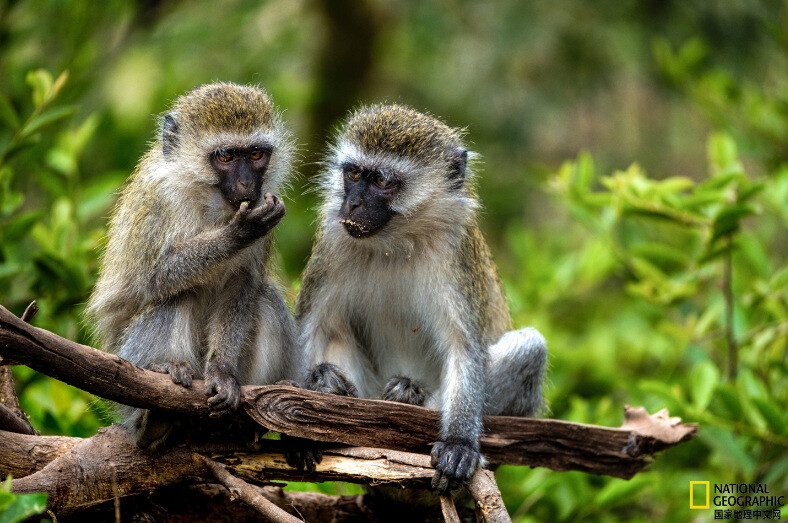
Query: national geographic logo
<point x="760" y="502"/>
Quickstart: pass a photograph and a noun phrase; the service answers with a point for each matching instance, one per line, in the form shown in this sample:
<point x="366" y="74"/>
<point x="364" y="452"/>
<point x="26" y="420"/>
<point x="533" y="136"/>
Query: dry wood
<point x="449" y="510"/>
<point x="12" y="417"/>
<point x="80" y="471"/>
<point x="99" y="373"/>
<point x="554" y="444"/>
<point x="110" y="468"/>
<point x="12" y="422"/>
<point x="247" y="493"/>
<point x="484" y="490"/>
<point x="24" y="454"/>
<point x="558" y="445"/>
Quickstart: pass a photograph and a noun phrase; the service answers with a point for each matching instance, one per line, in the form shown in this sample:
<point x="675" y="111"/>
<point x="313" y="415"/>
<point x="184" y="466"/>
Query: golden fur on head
<point x="225" y="106"/>
<point x="400" y="130"/>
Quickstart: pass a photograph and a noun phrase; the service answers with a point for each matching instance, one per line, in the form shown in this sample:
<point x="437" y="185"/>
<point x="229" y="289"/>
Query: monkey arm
<point x="197" y="260"/>
<point x="192" y="262"/>
<point x="232" y="326"/>
<point x="456" y="456"/>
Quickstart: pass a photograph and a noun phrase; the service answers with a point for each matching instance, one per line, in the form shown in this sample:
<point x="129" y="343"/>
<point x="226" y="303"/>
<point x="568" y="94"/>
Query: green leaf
<point x="7" y="113"/>
<point x="20" y="226"/>
<point x="619" y="490"/>
<point x="24" y="506"/>
<point x="41" y="82"/>
<point x="772" y="414"/>
<point x="729" y="447"/>
<point x="727" y="221"/>
<point x="47" y="118"/>
<point x="703" y="380"/>
<point x="722" y="152"/>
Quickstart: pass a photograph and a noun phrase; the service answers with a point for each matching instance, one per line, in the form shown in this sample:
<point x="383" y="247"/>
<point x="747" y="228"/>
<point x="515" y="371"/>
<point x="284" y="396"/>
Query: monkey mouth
<point x="356" y="229"/>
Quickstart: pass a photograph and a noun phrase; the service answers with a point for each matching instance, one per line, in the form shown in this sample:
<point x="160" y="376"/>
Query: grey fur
<point x="420" y="299"/>
<point x="185" y="278"/>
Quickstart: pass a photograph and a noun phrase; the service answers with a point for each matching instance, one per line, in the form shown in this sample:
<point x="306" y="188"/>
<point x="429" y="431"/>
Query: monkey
<point x="401" y="298"/>
<point x="185" y="285"/>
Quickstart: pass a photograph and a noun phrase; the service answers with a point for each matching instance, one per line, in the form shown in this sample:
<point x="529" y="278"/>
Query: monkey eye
<point x="353" y="175"/>
<point x="381" y="181"/>
<point x="224" y="155"/>
<point x="256" y="154"/>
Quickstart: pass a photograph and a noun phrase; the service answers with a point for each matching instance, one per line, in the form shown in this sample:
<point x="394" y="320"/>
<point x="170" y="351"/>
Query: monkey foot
<point x="181" y="372"/>
<point x="404" y="390"/>
<point x="327" y="377"/>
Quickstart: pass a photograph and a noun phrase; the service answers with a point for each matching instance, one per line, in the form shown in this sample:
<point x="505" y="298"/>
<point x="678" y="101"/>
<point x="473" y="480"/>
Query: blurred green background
<point x="634" y="175"/>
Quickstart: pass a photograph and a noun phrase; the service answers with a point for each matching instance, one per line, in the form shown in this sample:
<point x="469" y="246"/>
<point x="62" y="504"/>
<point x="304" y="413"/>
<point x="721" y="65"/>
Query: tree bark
<point x="81" y="475"/>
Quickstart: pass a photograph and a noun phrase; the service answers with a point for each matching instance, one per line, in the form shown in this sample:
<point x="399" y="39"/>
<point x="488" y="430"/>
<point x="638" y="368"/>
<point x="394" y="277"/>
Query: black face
<point x="241" y="172"/>
<point x="368" y="197"/>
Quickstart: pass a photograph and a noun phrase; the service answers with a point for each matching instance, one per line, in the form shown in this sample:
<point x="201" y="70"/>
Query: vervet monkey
<point x="185" y="286"/>
<point x="401" y="298"/>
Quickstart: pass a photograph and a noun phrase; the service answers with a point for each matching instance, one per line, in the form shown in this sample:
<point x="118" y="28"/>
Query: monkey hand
<point x="223" y="389"/>
<point x="304" y="454"/>
<point x="455" y="461"/>
<point x="250" y="224"/>
<point x="181" y="372"/>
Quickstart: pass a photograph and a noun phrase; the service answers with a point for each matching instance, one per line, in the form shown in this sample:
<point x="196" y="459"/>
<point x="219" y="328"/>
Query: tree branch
<point x="247" y="493"/>
<point x="11" y="415"/>
<point x="558" y="445"/>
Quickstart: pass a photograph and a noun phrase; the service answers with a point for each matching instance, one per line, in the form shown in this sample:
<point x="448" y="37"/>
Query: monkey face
<point x="366" y="208"/>
<point x="240" y="172"/>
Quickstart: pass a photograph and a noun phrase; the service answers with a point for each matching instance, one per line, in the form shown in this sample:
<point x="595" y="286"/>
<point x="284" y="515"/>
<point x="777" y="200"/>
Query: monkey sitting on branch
<point x="184" y="286"/>
<point x="401" y="299"/>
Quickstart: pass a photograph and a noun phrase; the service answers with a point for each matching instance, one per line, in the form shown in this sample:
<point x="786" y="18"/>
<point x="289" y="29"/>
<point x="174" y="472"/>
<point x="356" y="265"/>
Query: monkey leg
<point x="515" y="373"/>
<point x="404" y="390"/>
<point x="272" y="354"/>
<point x="160" y="338"/>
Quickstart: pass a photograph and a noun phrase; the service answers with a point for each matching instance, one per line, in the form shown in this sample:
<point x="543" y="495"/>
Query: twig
<point x="30" y="312"/>
<point x="247" y="493"/>
<point x="449" y="510"/>
<point x="727" y="291"/>
<point x="115" y="492"/>
<point x="484" y="489"/>
<point x="12" y="422"/>
<point x="13" y="418"/>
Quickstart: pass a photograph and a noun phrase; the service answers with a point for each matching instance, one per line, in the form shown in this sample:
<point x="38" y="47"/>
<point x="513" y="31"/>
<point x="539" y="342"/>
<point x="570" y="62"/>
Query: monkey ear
<point x="459" y="164"/>
<point x="169" y="134"/>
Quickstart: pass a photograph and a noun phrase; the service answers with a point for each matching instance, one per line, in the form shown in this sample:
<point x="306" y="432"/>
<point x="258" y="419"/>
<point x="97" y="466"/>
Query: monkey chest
<point x="394" y="330"/>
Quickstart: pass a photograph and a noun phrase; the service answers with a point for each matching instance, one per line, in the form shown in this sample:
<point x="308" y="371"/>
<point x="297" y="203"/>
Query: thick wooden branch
<point x="559" y="445"/>
<point x="97" y="372"/>
<point x="84" y="472"/>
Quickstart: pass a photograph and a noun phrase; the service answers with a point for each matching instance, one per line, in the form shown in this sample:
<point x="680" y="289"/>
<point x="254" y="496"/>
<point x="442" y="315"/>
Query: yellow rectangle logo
<point x="692" y="499"/>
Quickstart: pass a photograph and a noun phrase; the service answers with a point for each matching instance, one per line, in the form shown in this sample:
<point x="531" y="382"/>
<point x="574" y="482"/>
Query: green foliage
<point x="662" y="284"/>
<point x="47" y="250"/>
<point x="19" y="507"/>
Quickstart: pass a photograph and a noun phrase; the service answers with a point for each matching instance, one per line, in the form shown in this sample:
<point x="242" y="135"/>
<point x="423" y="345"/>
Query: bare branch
<point x="484" y="489"/>
<point x="449" y="510"/>
<point x="247" y="492"/>
<point x="11" y="422"/>
<point x="13" y="418"/>
<point x="30" y="312"/>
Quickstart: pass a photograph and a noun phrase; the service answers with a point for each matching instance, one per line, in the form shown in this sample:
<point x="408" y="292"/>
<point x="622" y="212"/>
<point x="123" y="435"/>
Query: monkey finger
<point x="466" y="466"/>
<point x="440" y="482"/>
<point x="295" y="459"/>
